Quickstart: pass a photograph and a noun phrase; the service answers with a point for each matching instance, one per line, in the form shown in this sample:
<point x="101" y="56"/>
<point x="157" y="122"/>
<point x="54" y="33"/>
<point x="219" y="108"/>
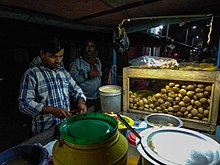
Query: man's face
<point x="52" y="61"/>
<point x="90" y="48"/>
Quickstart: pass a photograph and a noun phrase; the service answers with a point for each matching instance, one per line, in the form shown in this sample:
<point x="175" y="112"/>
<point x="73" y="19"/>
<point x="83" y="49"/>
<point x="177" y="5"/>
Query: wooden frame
<point x="179" y="75"/>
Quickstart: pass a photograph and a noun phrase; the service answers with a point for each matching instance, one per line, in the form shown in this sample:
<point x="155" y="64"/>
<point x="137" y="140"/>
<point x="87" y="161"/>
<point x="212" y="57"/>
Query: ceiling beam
<point x="46" y="19"/>
<point x="114" y="10"/>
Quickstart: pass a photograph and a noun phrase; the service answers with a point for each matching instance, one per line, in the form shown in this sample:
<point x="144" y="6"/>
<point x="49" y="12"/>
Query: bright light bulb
<point x="161" y="26"/>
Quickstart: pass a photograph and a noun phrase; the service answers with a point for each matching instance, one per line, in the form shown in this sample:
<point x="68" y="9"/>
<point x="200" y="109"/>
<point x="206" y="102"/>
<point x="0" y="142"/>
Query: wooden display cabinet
<point x="193" y="77"/>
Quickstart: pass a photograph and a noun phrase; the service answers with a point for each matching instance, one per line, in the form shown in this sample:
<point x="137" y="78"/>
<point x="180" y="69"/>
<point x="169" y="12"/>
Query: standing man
<point x="86" y="70"/>
<point x="45" y="89"/>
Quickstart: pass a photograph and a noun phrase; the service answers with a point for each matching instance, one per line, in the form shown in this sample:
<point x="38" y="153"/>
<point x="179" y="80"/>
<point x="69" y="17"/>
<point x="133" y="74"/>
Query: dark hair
<point x="50" y="45"/>
<point x="88" y="40"/>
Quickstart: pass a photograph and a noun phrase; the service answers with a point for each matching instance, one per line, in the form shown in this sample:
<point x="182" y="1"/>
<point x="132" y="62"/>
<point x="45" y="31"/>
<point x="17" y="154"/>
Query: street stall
<point x="69" y="140"/>
<point x="161" y="101"/>
<point x="165" y="90"/>
<point x="157" y="83"/>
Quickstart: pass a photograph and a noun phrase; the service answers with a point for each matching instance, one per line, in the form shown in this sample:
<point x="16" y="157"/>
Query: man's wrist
<point x="81" y="101"/>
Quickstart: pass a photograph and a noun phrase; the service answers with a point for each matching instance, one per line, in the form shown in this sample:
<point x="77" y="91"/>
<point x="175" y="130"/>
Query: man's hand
<point x="82" y="106"/>
<point x="58" y="112"/>
<point x="93" y="71"/>
<point x="61" y="113"/>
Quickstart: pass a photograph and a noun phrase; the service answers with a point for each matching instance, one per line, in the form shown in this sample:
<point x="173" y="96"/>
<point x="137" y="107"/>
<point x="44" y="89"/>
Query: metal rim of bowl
<point x="162" y="114"/>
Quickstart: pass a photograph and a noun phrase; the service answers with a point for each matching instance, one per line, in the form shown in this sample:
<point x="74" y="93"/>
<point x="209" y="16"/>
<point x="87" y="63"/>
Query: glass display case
<point x="193" y="96"/>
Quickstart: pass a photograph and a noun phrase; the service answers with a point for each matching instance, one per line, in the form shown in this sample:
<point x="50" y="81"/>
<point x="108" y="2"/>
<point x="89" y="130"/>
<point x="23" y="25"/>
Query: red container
<point x="133" y="154"/>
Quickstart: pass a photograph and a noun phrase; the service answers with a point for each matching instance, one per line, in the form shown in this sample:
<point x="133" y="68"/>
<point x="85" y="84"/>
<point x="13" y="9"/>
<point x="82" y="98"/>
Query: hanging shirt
<point x="79" y="71"/>
<point x="40" y="87"/>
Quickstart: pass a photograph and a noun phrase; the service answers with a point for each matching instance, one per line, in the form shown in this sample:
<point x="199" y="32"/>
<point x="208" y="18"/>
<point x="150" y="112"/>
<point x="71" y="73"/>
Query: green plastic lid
<point x="89" y="128"/>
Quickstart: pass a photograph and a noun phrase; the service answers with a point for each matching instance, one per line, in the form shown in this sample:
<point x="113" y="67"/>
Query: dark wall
<point x="19" y="44"/>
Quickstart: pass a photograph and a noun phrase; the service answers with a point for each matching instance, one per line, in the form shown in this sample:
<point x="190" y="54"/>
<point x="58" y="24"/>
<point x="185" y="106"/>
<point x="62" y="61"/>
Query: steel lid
<point x="110" y="89"/>
<point x="178" y="146"/>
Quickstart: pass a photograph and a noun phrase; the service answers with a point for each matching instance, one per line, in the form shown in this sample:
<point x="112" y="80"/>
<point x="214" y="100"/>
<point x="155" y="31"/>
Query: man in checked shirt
<point x="46" y="88"/>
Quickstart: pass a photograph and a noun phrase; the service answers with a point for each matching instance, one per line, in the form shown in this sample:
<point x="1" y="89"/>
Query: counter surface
<point x="48" y="135"/>
<point x="42" y="138"/>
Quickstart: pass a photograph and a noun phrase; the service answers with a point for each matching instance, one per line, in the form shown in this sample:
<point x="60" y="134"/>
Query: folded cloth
<point x="49" y="148"/>
<point x="206" y="154"/>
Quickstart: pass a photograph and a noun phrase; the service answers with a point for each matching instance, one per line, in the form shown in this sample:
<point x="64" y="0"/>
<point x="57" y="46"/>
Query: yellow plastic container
<point x="121" y="127"/>
<point x="96" y="142"/>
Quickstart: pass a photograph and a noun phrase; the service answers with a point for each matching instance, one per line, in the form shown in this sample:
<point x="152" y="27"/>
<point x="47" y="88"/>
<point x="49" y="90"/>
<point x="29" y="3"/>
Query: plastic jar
<point x="110" y="98"/>
<point x="91" y="138"/>
<point x="133" y="154"/>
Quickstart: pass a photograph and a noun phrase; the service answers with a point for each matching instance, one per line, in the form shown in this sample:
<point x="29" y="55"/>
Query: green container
<point x="91" y="138"/>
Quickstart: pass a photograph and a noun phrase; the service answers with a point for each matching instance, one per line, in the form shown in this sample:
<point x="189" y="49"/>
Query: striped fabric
<point x="40" y="87"/>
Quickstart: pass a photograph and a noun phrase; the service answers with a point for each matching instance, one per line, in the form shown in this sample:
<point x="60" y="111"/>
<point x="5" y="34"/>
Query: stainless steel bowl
<point x="162" y="120"/>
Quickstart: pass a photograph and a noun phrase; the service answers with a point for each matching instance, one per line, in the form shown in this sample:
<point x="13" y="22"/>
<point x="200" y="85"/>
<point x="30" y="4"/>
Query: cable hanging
<point x="210" y="30"/>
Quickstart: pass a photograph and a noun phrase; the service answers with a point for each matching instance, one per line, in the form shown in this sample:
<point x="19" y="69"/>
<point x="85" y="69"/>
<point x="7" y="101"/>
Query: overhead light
<point x="181" y="24"/>
<point x="194" y="27"/>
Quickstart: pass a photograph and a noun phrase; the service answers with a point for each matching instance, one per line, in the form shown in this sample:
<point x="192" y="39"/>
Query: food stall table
<point x="48" y="135"/>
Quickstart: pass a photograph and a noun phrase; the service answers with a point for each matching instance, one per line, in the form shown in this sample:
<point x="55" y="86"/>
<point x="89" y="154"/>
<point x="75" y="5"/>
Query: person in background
<point x="46" y="87"/>
<point x="86" y="70"/>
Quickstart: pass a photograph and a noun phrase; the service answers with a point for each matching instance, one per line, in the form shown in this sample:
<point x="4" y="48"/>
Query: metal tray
<point x="178" y="146"/>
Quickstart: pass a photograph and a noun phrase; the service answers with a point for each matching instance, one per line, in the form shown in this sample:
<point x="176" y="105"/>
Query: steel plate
<point x="178" y="146"/>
